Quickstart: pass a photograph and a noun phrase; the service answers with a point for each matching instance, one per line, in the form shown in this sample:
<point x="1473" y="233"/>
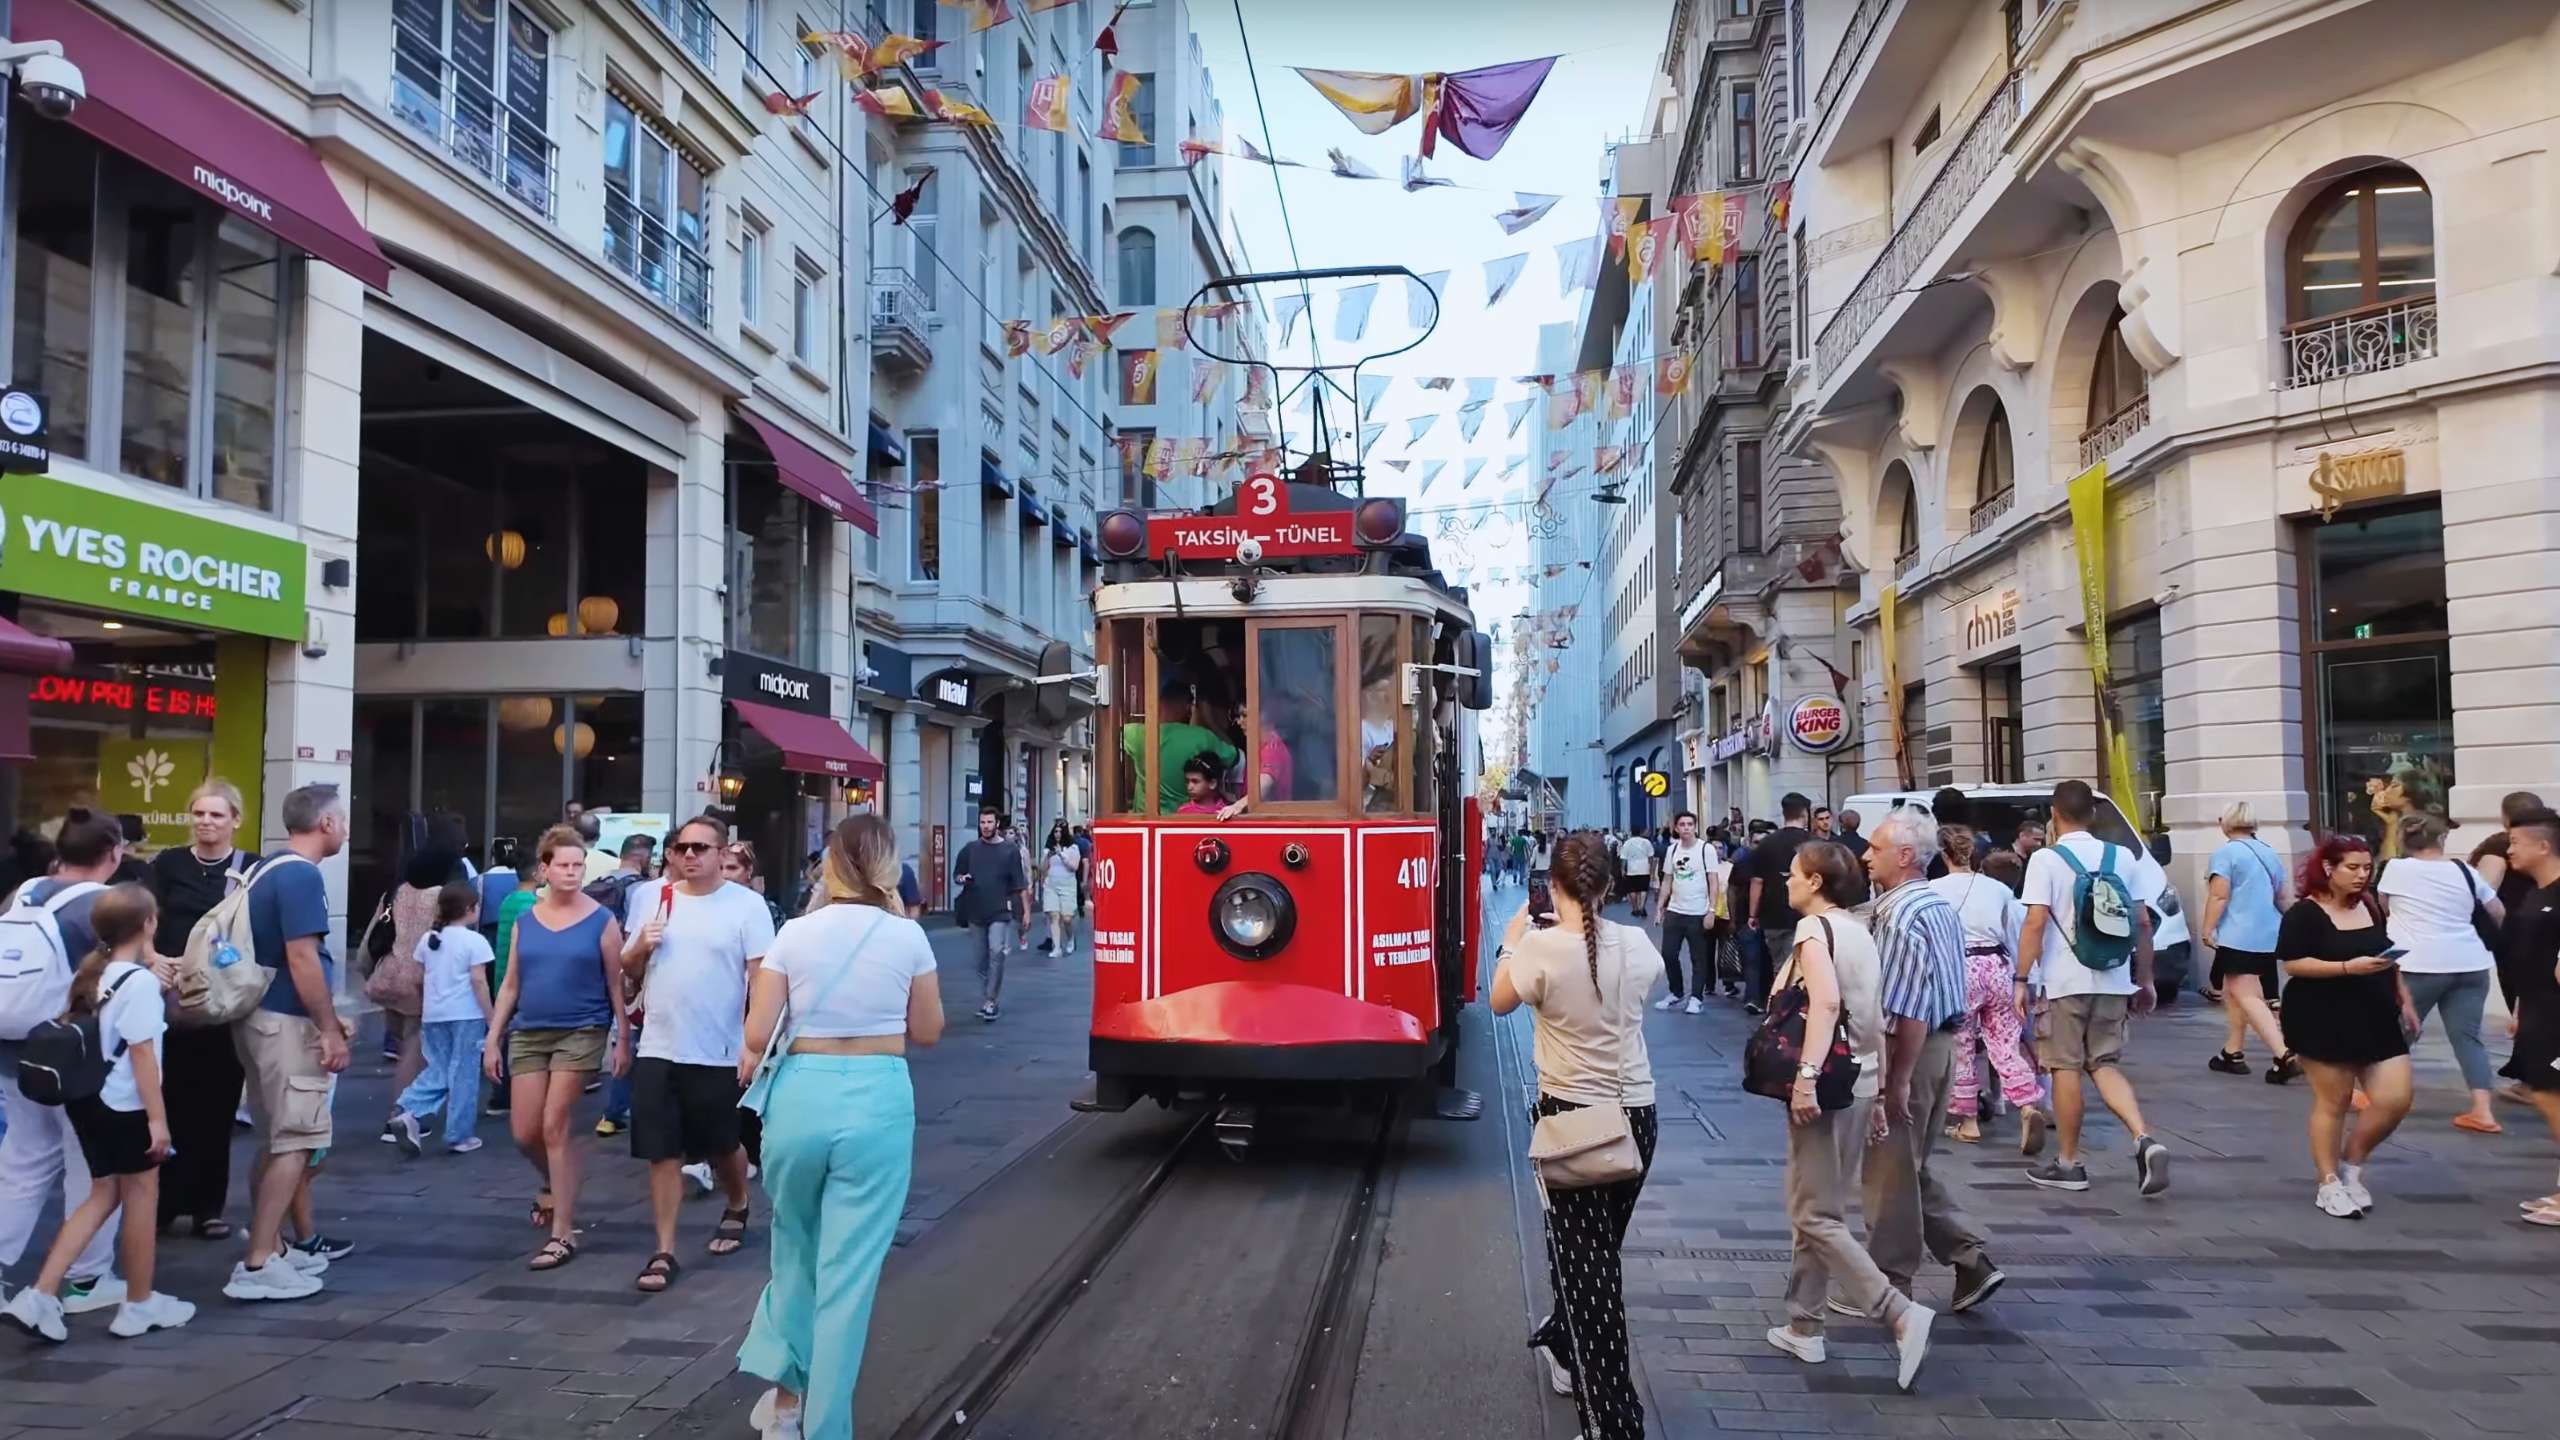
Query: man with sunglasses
<point x="695" y="941"/>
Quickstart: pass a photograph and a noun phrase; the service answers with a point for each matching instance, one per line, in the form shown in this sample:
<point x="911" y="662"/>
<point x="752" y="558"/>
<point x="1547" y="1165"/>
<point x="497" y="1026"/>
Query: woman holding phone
<point x="2348" y="1017"/>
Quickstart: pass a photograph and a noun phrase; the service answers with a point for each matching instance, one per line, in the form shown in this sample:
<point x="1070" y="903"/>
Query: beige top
<point x="1860" y="976"/>
<point x="1589" y="1041"/>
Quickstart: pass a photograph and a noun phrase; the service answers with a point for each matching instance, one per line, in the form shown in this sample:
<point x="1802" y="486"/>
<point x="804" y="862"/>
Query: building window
<point x="2367" y="240"/>
<point x="2003" y="735"/>
<point x="751" y="238"/>
<point x="185" y="373"/>
<point x="2377" y="669"/>
<point x="1905" y="501"/>
<point x="2134" y="710"/>
<point x="691" y="23"/>
<point x="480" y="89"/>
<point x="1746" y="496"/>
<point x="1142" y="105"/>
<point x="1746" y="312"/>
<point x="1137" y="266"/>
<point x="751" y="42"/>
<point x="653" y="214"/>
<point x="808" y="316"/>
<point x="1746" y="132"/>
<point x="1995" y="470"/>
<point x="1800" y="296"/>
<point x="776" y="560"/>
<point x="1927" y="134"/>
<point x="2012" y="28"/>
<point x="924" y="472"/>
<point x="1084" y="205"/>
<point x="923" y="231"/>
<point x="813" y="65"/>
<point x="921" y="26"/>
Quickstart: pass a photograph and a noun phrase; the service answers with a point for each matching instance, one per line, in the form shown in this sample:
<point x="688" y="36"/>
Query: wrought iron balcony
<point x="2108" y="436"/>
<point x="1853" y="48"/>
<point x="2360" y="342"/>
<point x="1988" y="510"/>
<point x="690" y="22"/>
<point x="900" y="314"/>
<point x="1954" y="186"/>
<point x="646" y="249"/>
<point x="464" y="117"/>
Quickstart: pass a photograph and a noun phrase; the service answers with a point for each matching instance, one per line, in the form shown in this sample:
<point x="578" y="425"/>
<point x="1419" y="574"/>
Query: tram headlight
<point x="1122" y="534"/>
<point x="1253" y="915"/>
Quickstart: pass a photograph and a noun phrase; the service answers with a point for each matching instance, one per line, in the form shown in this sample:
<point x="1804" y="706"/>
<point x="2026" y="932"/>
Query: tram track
<point x="1210" y="1296"/>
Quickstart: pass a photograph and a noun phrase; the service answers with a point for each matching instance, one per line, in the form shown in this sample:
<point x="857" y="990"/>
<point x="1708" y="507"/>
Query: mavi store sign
<point x="68" y="542"/>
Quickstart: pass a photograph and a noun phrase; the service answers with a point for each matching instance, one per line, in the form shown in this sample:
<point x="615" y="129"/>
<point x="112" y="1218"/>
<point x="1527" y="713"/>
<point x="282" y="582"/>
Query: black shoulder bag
<point x="1775" y="1051"/>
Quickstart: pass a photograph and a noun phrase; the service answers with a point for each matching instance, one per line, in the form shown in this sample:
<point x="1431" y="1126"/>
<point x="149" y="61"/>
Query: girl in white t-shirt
<point x="123" y="1129"/>
<point x="453" y="1025"/>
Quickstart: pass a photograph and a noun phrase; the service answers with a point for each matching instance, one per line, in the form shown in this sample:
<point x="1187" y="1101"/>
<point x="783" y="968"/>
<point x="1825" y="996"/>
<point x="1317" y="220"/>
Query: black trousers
<point x="1588" y="1330"/>
<point x="201" y="1081"/>
<point x="1689" y="930"/>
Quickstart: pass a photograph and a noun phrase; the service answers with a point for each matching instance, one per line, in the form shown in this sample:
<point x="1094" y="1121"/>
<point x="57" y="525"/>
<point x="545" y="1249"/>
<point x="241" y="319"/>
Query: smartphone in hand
<point x="1542" y="905"/>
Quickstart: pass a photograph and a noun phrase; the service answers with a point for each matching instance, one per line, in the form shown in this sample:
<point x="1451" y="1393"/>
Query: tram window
<point x="1298" y="715"/>
<point x="1423" y="761"/>
<point x="1126" y="649"/>
<point x="1197" y="709"/>
<point x="1381" y="661"/>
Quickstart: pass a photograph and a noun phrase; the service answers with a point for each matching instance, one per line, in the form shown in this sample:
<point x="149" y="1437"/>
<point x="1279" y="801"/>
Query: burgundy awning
<point x="23" y="653"/>
<point x="160" y="113"/>
<point x="812" y="744"/>
<point x="819" y="480"/>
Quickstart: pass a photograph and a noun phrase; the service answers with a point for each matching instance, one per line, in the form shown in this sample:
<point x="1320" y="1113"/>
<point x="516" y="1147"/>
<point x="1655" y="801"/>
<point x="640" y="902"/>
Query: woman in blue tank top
<point x="554" y="1014"/>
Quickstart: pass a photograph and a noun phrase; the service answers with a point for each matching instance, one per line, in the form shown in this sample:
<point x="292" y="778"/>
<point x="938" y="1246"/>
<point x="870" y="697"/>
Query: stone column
<point x="2501" y="528"/>
<point x="2231" y="681"/>
<point x="906" y="785"/>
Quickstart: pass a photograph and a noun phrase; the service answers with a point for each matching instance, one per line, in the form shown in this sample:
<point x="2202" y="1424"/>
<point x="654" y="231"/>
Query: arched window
<point x="2369" y="239"/>
<point x="1995" y="475"/>
<point x="1898" y="493"/>
<point x="1137" y="266"/>
<point x="2117" y="380"/>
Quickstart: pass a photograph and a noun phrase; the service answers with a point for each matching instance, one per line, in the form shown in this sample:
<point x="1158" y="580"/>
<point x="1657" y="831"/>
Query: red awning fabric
<point x="159" y="112"/>
<point x="812" y="744"/>
<point x="24" y="652"/>
<point x="819" y="480"/>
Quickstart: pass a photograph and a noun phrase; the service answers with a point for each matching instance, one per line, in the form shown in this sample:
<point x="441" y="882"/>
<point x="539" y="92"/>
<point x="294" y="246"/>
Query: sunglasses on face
<point x="688" y="847"/>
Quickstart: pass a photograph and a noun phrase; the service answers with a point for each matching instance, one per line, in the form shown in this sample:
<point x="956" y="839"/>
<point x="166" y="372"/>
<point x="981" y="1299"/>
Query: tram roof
<point x="1214" y="597"/>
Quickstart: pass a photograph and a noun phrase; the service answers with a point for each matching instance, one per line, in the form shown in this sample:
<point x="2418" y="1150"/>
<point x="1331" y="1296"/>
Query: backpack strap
<point x="2078" y="869"/>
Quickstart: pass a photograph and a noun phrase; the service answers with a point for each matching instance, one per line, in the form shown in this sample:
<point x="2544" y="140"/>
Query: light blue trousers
<point x="839" y="1148"/>
<point x="449" y="1079"/>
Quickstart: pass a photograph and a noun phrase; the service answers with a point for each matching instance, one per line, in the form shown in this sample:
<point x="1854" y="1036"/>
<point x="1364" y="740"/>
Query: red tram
<point x="1292" y="649"/>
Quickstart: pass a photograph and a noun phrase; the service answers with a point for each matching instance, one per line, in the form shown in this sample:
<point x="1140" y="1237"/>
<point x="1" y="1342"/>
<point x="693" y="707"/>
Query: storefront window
<point x="128" y="729"/>
<point x="924" y="452"/>
<point x="2378" y="670"/>
<point x="189" y="386"/>
<point x="453" y="762"/>
<point x="774" y="569"/>
<point x="2133" y="699"/>
<point x="533" y="731"/>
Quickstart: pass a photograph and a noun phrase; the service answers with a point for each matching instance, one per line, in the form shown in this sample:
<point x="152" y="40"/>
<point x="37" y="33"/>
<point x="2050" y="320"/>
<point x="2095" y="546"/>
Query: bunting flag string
<point x="1469" y="422"/>
<point x="1577" y="264"/>
<point x="1431" y="471"/>
<point x="1421" y="297"/>
<point x="1420" y="424"/>
<point x="1500" y="275"/>
<point x="1527" y="210"/>
<point x="1287" y="309"/>
<point x="1373" y="388"/>
<point x="1475" y="467"/>
<point x="1351" y="319"/>
<point x="1369" y="436"/>
<point x="1513" y="414"/>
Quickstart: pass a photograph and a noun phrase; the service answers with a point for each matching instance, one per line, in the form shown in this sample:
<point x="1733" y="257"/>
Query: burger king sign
<point x="1818" y="724"/>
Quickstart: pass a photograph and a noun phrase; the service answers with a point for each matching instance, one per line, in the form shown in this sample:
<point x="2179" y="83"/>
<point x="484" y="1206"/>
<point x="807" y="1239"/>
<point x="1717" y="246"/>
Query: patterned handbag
<point x="1775" y="1050"/>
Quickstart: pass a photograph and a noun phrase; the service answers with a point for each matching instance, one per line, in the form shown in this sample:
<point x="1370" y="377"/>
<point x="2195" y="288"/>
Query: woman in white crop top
<point x="851" y="983"/>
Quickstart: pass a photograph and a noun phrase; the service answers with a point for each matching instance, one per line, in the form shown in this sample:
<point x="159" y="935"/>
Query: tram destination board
<point x="1262" y="521"/>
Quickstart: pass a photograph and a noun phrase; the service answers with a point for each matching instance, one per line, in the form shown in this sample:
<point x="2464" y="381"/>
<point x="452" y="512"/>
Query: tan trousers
<point x="1910" y="1215"/>
<point x="1822" y="1169"/>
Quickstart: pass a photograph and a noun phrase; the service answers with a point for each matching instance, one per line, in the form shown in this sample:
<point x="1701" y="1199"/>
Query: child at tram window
<point x="1201" y="794"/>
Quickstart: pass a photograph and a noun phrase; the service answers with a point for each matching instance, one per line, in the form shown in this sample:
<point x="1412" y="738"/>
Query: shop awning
<point x="811" y="744"/>
<point x="1092" y="552"/>
<point x="1032" y="509"/>
<point x="884" y="445"/>
<point x="24" y="652"/>
<point x="992" y="476"/>
<point x="158" y="112"/>
<point x="1064" y="535"/>
<point x="817" y="479"/>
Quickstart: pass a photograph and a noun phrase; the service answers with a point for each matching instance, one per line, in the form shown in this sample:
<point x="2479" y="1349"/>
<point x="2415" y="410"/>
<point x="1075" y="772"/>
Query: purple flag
<point x="1479" y="108"/>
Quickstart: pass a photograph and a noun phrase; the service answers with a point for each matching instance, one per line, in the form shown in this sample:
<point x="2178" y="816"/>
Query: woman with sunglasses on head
<point x="2347" y="1016"/>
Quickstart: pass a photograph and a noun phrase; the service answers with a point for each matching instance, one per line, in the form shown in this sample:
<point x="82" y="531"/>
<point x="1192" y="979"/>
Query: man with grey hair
<point x="1920" y="963"/>
<point x="294" y="1042"/>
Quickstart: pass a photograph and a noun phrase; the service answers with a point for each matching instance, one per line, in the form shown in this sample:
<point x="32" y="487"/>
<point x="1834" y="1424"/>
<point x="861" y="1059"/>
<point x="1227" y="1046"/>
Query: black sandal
<point x="731" y="1232"/>
<point x="555" y="1252"/>
<point x="663" y="1269"/>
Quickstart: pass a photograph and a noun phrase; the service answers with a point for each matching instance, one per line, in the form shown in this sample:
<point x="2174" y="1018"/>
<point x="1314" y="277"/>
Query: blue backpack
<point x="2102" y="911"/>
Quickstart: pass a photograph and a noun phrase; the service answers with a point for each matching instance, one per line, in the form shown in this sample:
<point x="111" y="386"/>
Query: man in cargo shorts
<point x="293" y="1043"/>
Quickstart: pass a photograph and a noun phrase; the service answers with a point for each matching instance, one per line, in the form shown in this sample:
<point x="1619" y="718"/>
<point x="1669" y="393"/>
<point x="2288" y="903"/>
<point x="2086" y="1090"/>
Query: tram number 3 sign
<point x="1262" y="518"/>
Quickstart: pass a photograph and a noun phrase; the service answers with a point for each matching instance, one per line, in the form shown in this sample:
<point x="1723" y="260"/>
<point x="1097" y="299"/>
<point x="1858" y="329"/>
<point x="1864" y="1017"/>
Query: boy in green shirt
<point x="1180" y="740"/>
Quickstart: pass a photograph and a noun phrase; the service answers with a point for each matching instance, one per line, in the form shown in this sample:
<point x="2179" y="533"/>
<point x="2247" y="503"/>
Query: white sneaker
<point x="700" y="1174"/>
<point x="1911" y="1343"/>
<point x="162" y="1311"/>
<point x="271" y="1281"/>
<point x="37" y="1313"/>
<point x="463" y="1146"/>
<point x="402" y="1130"/>
<point x="308" y="1262"/>
<point x="773" y="1422"/>
<point x="2334" y="1200"/>
<point x="1667" y="1002"/>
<point x="1559" y="1379"/>
<point x="2352" y="1176"/>
<point x="104" y="1293"/>
<point x="1808" y="1348"/>
<point x="1695" y="1006"/>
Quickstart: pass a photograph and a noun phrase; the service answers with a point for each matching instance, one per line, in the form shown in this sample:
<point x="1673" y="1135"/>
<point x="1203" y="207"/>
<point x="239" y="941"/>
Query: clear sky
<point x="1610" y="50"/>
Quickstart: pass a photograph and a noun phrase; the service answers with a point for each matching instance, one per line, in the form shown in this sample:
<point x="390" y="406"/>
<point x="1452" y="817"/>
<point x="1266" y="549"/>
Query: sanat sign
<point x="1262" y="517"/>
<point x="1818" y="724"/>
<point x="69" y="542"/>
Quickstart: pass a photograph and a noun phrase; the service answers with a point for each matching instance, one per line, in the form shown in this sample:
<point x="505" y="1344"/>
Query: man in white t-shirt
<point x="1686" y="898"/>
<point x="2080" y="1031"/>
<point x="1635" y="870"/>
<point x="695" y="941"/>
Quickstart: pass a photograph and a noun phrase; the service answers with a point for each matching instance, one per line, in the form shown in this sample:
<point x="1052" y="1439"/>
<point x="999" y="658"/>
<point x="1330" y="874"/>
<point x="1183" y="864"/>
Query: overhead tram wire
<point x="1315" y="345"/>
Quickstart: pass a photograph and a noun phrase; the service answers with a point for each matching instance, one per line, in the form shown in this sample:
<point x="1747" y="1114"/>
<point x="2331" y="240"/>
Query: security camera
<point x="52" y="85"/>
<point x="1248" y="551"/>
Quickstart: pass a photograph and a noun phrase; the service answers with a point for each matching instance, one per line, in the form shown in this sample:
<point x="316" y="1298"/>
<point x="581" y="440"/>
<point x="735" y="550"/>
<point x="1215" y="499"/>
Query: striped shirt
<point x="1920" y="951"/>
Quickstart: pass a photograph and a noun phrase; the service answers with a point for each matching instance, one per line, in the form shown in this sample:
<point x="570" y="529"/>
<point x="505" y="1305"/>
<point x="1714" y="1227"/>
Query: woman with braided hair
<point x="1585" y="980"/>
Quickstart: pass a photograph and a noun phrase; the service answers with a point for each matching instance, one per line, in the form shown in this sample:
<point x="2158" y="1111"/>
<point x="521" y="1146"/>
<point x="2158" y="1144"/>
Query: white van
<point x="1998" y="811"/>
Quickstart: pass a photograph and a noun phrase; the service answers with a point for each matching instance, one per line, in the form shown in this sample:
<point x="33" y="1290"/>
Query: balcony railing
<point x="643" y="247"/>
<point x="690" y="22"/>
<point x="464" y="117"/>
<point x="1950" y="190"/>
<point x="2361" y="342"/>
<point x="1853" y="48"/>
<point x="1988" y="510"/>
<point x="2108" y="436"/>
<point x="900" y="313"/>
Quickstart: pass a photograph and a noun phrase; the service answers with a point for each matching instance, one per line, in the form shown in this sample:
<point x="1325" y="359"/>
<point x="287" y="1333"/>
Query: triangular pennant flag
<point x="893" y="103"/>
<point x="1160" y="458"/>
<point x="1513" y="414"/>
<point x="1257" y="389"/>
<point x="1399" y="465"/>
<point x="1081" y="353"/>
<point x="1781" y="198"/>
<point x="1500" y="275"/>
<point x="1119" y="110"/>
<point x="1529" y="210"/>
<point x="1194" y="151"/>
<point x="1108" y="42"/>
<point x="1435" y="382"/>
<point x="1422" y="297"/>
<point x="1206" y="375"/>
<point x="957" y="111"/>
<point x="1416" y="179"/>
<point x="895" y="50"/>
<point x="1621" y="214"/>
<point x="1431" y="471"/>
<point x="1577" y="264"/>
<point x="1692" y="211"/>
<point x="1045" y="108"/>
<point x="1138" y="371"/>
<point x="1349" y="167"/>
<point x="1469" y="422"/>
<point x="1102" y="327"/>
<point x="1475" y="467"/>
<point x="1419" y="425"/>
<point x="1288" y="308"/>
<point x="1248" y="151"/>
<point x="1590" y="387"/>
<point x="1017" y="337"/>
<point x="1171" y="334"/>
<point x="1479" y="393"/>
<point x="1369" y="435"/>
<point x="1623" y="382"/>
<point x="1671" y="375"/>
<point x="1060" y="334"/>
<point x="983" y="14"/>
<point x="1373" y="388"/>
<point x="1351" y="315"/>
